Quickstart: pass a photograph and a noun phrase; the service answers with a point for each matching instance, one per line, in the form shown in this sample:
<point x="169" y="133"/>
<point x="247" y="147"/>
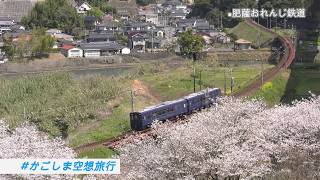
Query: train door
<point x="136" y="121"/>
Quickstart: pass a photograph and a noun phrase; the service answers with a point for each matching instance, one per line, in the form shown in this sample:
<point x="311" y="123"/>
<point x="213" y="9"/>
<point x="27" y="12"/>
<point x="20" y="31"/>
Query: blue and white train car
<point x="171" y="109"/>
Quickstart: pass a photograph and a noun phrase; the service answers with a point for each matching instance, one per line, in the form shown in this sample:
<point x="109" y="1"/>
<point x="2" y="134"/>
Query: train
<point x="171" y="109"/>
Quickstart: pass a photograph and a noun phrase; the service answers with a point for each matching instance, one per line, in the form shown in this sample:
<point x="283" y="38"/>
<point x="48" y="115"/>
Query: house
<point x="149" y="14"/>
<point x="152" y="17"/>
<point x="63" y="36"/>
<point x="176" y="15"/>
<point x="184" y="24"/>
<point x="108" y="26"/>
<point x="242" y="44"/>
<point x="83" y="8"/>
<point x="153" y="44"/>
<point x="53" y="32"/>
<point x="3" y="59"/>
<point x="71" y="51"/>
<point x="6" y="25"/>
<point x="6" y="22"/>
<point x="125" y="50"/>
<point x="62" y="42"/>
<point x="136" y="26"/>
<point x="100" y="49"/>
<point x="201" y="25"/>
<point x="57" y="34"/>
<point x="198" y="25"/>
<point x="137" y="42"/>
<point x="220" y="37"/>
<point x="123" y="13"/>
<point x="223" y="38"/>
<point x="100" y="37"/>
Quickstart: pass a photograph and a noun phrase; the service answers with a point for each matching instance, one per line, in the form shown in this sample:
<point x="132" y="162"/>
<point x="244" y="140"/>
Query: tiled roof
<point x="101" y="35"/>
<point x="67" y="47"/>
<point x="101" y="46"/>
<point x="242" y="41"/>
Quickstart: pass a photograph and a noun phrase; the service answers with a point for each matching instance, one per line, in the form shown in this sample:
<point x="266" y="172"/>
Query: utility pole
<point x="259" y="37"/>
<point x="276" y="24"/>
<point x="267" y="22"/>
<point x="225" y="83"/>
<point x="194" y="79"/>
<point x="112" y="22"/>
<point x="24" y="113"/>
<point x="132" y="94"/>
<point x="262" y="80"/>
<point x="232" y="84"/>
<point x="221" y="21"/>
<point x="285" y="23"/>
<point x="152" y="40"/>
<point x="270" y="25"/>
<point x="200" y="81"/>
<point x="231" y="81"/>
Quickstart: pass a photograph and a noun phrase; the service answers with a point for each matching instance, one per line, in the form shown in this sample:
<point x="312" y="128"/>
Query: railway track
<point x="114" y="142"/>
<point x="284" y="63"/>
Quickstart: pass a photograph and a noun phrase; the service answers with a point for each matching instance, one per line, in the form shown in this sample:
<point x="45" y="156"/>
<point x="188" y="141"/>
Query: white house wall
<point x="125" y="51"/>
<point x="92" y="53"/>
<point x="75" y="52"/>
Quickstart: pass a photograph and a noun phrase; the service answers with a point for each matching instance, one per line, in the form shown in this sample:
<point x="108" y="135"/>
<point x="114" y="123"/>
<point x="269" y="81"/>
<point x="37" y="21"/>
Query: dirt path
<point x="142" y="89"/>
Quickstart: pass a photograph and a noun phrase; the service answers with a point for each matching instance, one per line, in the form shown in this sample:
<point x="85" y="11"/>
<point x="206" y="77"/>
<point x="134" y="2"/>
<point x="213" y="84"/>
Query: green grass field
<point x="248" y="32"/>
<point x="291" y="85"/>
<point x="99" y="152"/>
<point x="97" y="108"/>
<point x="272" y="92"/>
<point x="303" y="80"/>
<point x="112" y="126"/>
<point x="180" y="82"/>
<point x="56" y="103"/>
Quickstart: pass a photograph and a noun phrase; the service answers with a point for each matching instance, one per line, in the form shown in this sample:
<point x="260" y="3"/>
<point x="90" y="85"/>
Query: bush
<point x="56" y="103"/>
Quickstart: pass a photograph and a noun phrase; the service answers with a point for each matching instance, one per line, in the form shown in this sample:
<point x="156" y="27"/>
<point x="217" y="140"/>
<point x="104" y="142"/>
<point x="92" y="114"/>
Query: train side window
<point x="184" y="105"/>
<point x="144" y="117"/>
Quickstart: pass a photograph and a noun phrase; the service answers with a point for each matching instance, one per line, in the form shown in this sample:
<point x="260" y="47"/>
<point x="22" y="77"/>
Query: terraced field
<point x="16" y="9"/>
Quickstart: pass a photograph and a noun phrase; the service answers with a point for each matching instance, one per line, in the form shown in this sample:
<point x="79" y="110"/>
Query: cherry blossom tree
<point x="238" y="138"/>
<point x="27" y="142"/>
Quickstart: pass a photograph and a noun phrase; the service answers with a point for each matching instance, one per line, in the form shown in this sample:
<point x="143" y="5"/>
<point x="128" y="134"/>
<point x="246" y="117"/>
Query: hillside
<point x="248" y="32"/>
<point x="16" y="9"/>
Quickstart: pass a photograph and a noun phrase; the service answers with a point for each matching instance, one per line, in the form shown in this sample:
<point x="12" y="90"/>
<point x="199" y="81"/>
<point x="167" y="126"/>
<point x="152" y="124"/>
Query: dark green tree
<point x="53" y="14"/>
<point x="96" y="12"/>
<point x="190" y="44"/>
<point x="9" y="47"/>
<point x="41" y="43"/>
